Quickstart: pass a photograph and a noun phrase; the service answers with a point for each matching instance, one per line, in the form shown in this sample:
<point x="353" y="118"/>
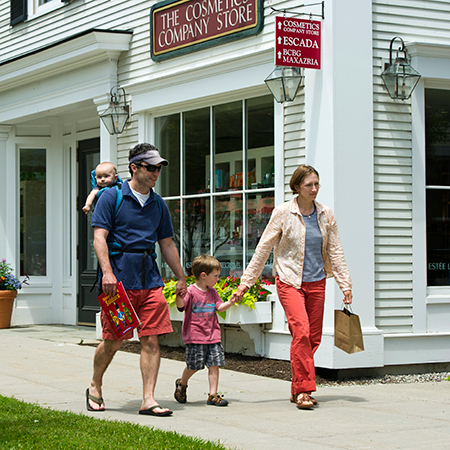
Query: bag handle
<point x="347" y="308"/>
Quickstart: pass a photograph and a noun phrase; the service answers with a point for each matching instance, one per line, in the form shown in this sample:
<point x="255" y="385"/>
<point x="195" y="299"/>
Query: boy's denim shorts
<point x="199" y="355"/>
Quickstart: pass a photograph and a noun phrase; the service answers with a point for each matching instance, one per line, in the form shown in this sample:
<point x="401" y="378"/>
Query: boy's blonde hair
<point x="205" y="263"/>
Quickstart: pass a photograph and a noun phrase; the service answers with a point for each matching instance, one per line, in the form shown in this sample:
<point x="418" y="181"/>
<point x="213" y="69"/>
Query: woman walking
<point x="307" y="250"/>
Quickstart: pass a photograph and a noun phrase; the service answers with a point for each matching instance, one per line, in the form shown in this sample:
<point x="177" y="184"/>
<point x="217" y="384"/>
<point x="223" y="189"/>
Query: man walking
<point x="124" y="241"/>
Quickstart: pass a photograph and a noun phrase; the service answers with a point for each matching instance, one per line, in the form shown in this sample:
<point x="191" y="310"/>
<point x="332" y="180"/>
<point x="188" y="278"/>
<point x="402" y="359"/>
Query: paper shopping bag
<point x="347" y="331"/>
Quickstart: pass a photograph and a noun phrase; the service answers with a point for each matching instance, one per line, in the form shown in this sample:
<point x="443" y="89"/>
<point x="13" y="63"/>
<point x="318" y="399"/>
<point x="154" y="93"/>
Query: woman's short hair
<point x="205" y="263"/>
<point x="299" y="175"/>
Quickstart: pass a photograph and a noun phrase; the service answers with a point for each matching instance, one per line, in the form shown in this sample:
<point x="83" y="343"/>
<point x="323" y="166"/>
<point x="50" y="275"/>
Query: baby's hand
<point x="86" y="209"/>
<point x="233" y="298"/>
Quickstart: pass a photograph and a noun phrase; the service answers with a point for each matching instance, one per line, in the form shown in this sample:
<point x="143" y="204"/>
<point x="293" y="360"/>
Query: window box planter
<point x="239" y="314"/>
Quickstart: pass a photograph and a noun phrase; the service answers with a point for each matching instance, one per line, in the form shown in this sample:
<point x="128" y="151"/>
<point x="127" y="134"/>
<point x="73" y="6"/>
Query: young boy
<point x="106" y="176"/>
<point x="201" y="329"/>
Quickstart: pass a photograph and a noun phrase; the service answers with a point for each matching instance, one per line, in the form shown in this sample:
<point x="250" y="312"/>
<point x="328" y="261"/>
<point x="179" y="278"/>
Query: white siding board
<point x="394" y="240"/>
<point x="393" y="196"/>
<point x="392" y="214"/>
<point x="396" y="259"/>
<point x="389" y="277"/>
<point x="403" y="314"/>
<point x="392" y="152"/>
<point x="392" y="232"/>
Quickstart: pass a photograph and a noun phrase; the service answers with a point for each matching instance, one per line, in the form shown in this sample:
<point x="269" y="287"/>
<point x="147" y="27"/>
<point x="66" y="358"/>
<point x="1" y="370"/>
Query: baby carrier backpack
<point x="114" y="248"/>
<point x="117" y="185"/>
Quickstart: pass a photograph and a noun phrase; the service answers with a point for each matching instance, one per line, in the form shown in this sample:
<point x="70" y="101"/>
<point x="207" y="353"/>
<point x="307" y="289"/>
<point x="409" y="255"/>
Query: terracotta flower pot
<point x="6" y="307"/>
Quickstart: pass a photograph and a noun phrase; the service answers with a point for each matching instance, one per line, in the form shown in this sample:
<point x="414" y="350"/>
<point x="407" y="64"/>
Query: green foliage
<point x="28" y="426"/>
<point x="225" y="287"/>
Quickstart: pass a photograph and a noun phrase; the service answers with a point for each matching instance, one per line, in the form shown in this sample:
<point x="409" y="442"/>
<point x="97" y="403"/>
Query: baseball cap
<point x="150" y="157"/>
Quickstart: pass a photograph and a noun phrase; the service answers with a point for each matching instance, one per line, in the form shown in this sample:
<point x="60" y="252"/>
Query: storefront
<point x="201" y="98"/>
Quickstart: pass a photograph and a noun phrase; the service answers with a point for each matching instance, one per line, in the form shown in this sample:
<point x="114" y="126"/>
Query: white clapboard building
<point x="192" y="73"/>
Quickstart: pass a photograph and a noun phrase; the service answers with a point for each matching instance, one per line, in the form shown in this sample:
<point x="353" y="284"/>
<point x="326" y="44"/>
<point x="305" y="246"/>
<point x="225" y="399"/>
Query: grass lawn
<point x="28" y="426"/>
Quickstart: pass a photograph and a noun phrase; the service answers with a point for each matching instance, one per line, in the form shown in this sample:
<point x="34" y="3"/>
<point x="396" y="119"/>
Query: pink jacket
<point x="285" y="233"/>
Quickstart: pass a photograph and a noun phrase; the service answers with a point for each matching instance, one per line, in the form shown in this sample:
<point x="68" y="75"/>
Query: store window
<point x="33" y="207"/>
<point x="219" y="185"/>
<point x="437" y="120"/>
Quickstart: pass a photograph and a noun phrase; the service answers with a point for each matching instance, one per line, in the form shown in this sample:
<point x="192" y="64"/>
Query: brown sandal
<point x="314" y="401"/>
<point x="303" y="400"/>
<point x="180" y="391"/>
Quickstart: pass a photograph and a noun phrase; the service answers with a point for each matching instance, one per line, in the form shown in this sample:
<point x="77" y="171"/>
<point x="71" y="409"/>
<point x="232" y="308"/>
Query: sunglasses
<point x="150" y="167"/>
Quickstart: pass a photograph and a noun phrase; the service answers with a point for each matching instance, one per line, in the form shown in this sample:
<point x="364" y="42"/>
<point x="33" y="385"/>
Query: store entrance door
<point x="88" y="306"/>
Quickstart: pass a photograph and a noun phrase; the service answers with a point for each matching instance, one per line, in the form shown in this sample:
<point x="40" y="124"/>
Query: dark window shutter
<point x="18" y="11"/>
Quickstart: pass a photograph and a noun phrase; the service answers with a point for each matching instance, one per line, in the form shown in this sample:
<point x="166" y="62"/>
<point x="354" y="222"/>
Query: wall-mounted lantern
<point x="399" y="77"/>
<point x="284" y="83"/>
<point x="116" y="116"/>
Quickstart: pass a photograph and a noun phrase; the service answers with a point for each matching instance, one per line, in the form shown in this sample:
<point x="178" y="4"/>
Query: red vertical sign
<point x="297" y="43"/>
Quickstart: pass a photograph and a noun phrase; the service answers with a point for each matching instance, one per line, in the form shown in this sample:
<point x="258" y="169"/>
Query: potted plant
<point x="9" y="285"/>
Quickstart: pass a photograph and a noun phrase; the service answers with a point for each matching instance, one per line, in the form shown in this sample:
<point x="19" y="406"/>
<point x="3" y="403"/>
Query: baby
<point x="106" y="176"/>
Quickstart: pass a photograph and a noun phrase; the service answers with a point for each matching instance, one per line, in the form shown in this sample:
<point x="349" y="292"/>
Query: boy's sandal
<point x="180" y="391"/>
<point x="216" y="400"/>
<point x="293" y="399"/>
<point x="303" y="401"/>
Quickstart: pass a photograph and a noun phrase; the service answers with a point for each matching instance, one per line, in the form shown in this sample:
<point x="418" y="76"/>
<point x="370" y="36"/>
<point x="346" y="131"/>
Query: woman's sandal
<point x="314" y="401"/>
<point x="303" y="400"/>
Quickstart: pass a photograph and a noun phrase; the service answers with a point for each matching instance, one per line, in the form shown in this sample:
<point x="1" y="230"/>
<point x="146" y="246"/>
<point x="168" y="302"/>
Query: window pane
<point x="174" y="209"/>
<point x="196" y="229"/>
<point x="437" y="122"/>
<point x="259" y="207"/>
<point x="228" y="234"/>
<point x="260" y="138"/>
<point x="90" y="263"/>
<point x="438" y="237"/>
<point x="228" y="146"/>
<point x="168" y="144"/>
<point x="33" y="227"/>
<point x="437" y="119"/>
<point x="196" y="150"/>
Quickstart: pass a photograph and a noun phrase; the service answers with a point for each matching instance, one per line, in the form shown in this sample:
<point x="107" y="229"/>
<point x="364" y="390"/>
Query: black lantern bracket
<point x="295" y="13"/>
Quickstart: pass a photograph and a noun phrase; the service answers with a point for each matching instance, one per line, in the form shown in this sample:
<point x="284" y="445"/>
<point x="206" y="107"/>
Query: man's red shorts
<point x="152" y="309"/>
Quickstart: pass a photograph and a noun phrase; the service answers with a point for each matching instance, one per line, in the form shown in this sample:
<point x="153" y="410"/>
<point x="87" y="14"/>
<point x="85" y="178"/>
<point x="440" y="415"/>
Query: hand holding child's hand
<point x="179" y="300"/>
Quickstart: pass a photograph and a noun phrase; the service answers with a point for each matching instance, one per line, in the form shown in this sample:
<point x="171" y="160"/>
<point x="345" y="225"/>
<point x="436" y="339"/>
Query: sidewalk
<point x="45" y="364"/>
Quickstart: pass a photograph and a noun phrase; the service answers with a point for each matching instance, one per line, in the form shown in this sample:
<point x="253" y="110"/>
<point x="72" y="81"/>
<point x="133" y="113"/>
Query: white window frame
<point x="36" y="10"/>
<point x="432" y="61"/>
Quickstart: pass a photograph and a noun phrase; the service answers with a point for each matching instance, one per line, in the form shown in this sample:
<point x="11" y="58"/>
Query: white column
<point x="8" y="193"/>
<point x="339" y="144"/>
<point x="108" y="142"/>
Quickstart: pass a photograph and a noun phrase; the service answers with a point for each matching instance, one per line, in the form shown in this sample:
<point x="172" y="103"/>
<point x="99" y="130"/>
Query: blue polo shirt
<point x="135" y="227"/>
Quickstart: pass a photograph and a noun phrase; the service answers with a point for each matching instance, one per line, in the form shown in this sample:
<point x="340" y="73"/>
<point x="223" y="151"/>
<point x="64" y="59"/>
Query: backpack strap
<point x="119" y="199"/>
<point x="93" y="180"/>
